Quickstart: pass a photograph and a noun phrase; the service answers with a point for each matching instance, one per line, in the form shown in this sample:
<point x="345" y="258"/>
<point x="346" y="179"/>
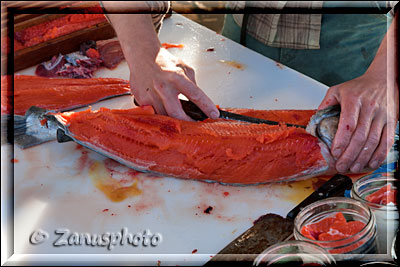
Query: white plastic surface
<point x="54" y="186"/>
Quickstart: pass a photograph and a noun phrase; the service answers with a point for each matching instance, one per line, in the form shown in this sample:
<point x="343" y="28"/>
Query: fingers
<point x="158" y="106"/>
<point x="374" y="136"/>
<point x="152" y="99"/>
<point x="188" y="71"/>
<point x="350" y="109"/>
<point x="330" y="98"/>
<point x="197" y="96"/>
<point x="386" y="141"/>
<point x="171" y="102"/>
<point x="357" y="142"/>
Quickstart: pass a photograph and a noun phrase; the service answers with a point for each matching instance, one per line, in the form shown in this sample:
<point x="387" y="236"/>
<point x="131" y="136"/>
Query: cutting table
<point x="59" y="188"/>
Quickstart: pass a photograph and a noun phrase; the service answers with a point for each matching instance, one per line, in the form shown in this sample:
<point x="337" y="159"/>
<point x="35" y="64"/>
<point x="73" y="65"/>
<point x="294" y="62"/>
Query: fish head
<point x="324" y="124"/>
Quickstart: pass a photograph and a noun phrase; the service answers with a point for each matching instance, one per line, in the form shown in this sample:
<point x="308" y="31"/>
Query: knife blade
<point x="271" y="228"/>
<point x="193" y="111"/>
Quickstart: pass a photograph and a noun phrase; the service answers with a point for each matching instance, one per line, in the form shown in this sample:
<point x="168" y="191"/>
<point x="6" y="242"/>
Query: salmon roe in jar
<point x="378" y="191"/>
<point x="345" y="227"/>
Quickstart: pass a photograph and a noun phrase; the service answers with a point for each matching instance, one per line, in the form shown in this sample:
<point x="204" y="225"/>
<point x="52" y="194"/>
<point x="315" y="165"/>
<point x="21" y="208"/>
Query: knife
<point x="193" y="111"/>
<point x="271" y="228"/>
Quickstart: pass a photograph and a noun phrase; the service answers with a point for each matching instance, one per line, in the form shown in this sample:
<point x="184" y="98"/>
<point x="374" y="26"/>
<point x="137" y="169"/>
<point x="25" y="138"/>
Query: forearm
<point x="384" y="64"/>
<point x="157" y="77"/>
<point x="136" y="33"/>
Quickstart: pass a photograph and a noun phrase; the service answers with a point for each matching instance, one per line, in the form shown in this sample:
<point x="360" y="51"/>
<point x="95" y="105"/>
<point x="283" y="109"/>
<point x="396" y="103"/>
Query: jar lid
<point x="294" y="251"/>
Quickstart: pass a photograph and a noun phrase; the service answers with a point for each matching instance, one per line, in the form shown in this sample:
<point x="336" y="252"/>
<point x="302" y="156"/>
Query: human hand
<point x="369" y="113"/>
<point x="159" y="83"/>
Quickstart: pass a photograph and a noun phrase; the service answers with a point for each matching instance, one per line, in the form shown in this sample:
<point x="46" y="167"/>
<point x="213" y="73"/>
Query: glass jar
<point x="296" y="253"/>
<point x="352" y="247"/>
<point x="387" y="216"/>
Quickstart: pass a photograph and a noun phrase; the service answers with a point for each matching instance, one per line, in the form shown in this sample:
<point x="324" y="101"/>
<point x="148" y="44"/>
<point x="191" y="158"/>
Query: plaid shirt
<point x="298" y="31"/>
<point x="157" y="9"/>
<point x="160" y="7"/>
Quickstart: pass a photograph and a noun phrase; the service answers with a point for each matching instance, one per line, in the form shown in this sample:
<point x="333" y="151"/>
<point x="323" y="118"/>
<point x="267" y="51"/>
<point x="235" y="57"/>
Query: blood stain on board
<point x="83" y="159"/>
<point x="211" y="49"/>
<point x="226" y="194"/>
<point x="118" y="171"/>
<point x="208" y="210"/>
<point x="347" y="127"/>
<point x="105" y="210"/>
<point x="194" y="251"/>
<point x="14" y="160"/>
<point x="227" y="218"/>
<point x="279" y="65"/>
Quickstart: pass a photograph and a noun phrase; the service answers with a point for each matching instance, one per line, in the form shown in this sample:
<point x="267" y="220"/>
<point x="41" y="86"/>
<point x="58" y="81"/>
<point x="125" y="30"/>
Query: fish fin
<point x="33" y="128"/>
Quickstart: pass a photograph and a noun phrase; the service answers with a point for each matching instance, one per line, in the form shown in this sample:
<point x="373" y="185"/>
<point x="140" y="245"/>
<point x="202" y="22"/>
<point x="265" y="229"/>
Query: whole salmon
<point x="218" y="150"/>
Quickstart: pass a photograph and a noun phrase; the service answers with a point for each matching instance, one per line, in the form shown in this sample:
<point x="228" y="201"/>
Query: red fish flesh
<point x="57" y="94"/>
<point x="219" y="150"/>
<point x="55" y="28"/>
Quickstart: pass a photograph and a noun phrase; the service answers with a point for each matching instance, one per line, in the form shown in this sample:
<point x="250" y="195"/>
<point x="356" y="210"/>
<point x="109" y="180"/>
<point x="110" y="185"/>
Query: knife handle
<point x="334" y="187"/>
<point x="190" y="108"/>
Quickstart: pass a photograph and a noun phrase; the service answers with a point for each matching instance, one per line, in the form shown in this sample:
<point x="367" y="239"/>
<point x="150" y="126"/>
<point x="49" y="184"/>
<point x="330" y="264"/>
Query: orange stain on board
<point x="296" y="191"/>
<point x="14" y="160"/>
<point x="112" y="188"/>
<point x="233" y="63"/>
<point x="169" y="45"/>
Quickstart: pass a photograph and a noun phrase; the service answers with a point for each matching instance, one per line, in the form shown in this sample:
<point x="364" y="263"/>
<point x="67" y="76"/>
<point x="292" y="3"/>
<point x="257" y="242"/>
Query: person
<point x="367" y="92"/>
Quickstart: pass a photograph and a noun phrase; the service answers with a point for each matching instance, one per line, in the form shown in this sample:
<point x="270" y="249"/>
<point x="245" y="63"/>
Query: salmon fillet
<point x="57" y="94"/>
<point x="55" y="28"/>
<point x="213" y="150"/>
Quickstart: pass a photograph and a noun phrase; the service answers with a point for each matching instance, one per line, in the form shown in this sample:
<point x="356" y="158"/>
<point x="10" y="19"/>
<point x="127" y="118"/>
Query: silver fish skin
<point x="34" y="128"/>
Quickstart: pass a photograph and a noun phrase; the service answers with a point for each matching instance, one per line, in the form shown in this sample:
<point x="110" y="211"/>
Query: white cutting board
<point x="54" y="184"/>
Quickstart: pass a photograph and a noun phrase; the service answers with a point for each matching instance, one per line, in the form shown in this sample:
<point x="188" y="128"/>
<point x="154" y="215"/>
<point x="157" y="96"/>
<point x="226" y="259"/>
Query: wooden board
<point x="64" y="44"/>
